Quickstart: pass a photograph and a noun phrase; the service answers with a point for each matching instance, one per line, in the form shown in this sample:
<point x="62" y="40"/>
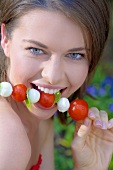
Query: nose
<point x="53" y="70"/>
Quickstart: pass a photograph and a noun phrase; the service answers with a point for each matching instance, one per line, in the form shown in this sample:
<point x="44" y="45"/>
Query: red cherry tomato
<point x="78" y="109"/>
<point x="46" y="100"/>
<point x="19" y="92"/>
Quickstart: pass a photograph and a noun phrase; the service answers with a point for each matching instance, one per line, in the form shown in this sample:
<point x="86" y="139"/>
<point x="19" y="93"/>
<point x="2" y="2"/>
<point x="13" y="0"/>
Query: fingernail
<point x="91" y="114"/>
<point x="98" y="123"/>
<point x="86" y="122"/>
<point x="104" y="125"/>
<point x="109" y="125"/>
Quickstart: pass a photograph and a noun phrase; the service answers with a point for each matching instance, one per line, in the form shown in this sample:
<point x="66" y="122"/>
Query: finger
<point x="79" y="140"/>
<point x="87" y="122"/>
<point x="110" y="123"/>
<point x="97" y="119"/>
<point x="78" y="124"/>
<point x="91" y="114"/>
<point x="104" y="119"/>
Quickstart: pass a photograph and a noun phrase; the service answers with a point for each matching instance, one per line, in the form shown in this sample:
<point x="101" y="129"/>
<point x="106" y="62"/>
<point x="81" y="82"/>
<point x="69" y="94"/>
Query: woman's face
<point x="48" y="50"/>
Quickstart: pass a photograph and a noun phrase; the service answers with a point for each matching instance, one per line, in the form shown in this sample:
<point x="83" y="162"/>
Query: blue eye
<point x="36" y="51"/>
<point x="76" y="56"/>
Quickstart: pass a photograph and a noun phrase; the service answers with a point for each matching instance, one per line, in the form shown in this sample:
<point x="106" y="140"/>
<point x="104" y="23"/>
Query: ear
<point x="4" y="40"/>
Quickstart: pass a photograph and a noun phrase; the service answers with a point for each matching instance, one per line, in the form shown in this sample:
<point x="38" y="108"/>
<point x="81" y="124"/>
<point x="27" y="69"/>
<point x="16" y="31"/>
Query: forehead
<point x="50" y="26"/>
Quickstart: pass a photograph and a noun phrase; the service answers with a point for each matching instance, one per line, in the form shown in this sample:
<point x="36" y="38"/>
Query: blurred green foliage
<point x="63" y="138"/>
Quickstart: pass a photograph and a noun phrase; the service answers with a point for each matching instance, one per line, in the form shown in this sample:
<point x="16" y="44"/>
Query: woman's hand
<point x="92" y="145"/>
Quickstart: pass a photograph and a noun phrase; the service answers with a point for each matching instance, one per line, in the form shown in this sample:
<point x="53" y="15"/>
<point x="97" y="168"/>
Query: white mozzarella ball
<point x="33" y="95"/>
<point x="63" y="104"/>
<point x="5" y="89"/>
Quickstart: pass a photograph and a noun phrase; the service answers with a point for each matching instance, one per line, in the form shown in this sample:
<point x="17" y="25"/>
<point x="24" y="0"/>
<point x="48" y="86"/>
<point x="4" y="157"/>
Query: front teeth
<point x="50" y="91"/>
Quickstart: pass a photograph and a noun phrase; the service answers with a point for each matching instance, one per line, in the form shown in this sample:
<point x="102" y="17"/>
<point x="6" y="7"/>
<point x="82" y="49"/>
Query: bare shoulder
<point x="15" y="149"/>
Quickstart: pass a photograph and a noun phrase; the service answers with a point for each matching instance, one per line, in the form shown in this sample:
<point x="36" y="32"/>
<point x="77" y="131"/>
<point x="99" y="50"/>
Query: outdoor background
<point x="100" y="87"/>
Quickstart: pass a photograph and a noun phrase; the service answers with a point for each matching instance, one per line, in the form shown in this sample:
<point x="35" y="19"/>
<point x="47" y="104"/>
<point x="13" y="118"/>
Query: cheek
<point x="22" y="69"/>
<point x="77" y="77"/>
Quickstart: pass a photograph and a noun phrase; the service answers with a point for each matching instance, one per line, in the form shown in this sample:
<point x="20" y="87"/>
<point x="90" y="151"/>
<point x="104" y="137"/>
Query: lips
<point x="44" y="108"/>
<point x="49" y="90"/>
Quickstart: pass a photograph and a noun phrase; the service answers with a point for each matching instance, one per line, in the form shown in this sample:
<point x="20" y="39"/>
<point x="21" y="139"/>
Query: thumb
<point x="81" y="136"/>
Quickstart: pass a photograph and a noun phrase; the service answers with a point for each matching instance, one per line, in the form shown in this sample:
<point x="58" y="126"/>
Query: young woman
<point x="51" y="46"/>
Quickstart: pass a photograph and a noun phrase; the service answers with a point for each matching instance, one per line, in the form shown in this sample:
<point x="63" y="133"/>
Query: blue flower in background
<point x="110" y="107"/>
<point x="107" y="81"/>
<point x="92" y="90"/>
<point x="111" y="92"/>
<point x="102" y="92"/>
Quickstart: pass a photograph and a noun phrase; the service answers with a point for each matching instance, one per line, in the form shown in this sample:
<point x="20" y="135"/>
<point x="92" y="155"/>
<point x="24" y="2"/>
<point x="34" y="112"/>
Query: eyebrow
<point x="37" y="43"/>
<point x="78" y="49"/>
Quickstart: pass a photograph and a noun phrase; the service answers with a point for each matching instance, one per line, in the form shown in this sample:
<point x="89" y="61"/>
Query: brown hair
<point x="92" y="15"/>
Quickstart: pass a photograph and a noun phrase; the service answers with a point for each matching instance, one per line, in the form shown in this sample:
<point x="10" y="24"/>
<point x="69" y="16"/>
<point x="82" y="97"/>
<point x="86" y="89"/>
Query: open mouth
<point x="46" y="94"/>
<point x="46" y="90"/>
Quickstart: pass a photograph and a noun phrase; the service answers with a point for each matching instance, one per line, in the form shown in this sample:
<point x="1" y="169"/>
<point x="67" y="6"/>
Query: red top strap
<point x="37" y="166"/>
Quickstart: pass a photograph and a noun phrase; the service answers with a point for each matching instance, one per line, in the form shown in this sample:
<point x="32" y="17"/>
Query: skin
<point x="27" y="67"/>
<point x="52" y="67"/>
<point x="93" y="140"/>
<point x="36" y="68"/>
